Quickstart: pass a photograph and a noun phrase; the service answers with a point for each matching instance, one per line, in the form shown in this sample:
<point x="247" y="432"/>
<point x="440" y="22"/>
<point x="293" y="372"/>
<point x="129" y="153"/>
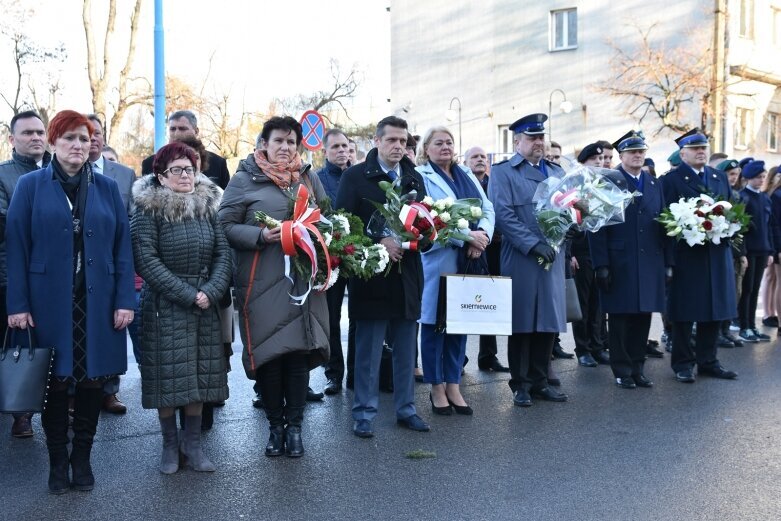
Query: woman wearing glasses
<point x="181" y="253"/>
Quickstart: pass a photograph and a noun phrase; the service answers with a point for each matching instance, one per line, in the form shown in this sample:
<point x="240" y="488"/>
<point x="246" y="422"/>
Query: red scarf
<point x="284" y="175"/>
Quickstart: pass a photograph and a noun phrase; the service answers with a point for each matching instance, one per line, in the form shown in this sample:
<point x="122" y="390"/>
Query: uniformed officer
<point x="702" y="289"/>
<point x="539" y="306"/>
<point x="629" y="260"/>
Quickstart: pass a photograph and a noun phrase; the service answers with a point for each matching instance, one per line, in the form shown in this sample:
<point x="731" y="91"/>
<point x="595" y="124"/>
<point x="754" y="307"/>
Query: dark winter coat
<point x="39" y="236"/>
<point x="636" y="252"/>
<point x="180" y="249"/>
<point x="397" y="295"/>
<point x="271" y="325"/>
<point x="762" y="233"/>
<point x="10" y="172"/>
<point x="703" y="285"/>
<point x="330" y="176"/>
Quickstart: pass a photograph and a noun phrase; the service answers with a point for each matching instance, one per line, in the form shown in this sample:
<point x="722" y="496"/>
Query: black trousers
<point x="488" y="351"/>
<point x="283" y="385"/>
<point x="528" y="355"/>
<point x="628" y="339"/>
<point x="704" y="353"/>
<point x="752" y="280"/>
<point x="334" y="368"/>
<point x="587" y="333"/>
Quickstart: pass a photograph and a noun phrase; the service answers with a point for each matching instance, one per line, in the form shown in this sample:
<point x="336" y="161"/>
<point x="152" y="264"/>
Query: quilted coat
<point x="271" y="324"/>
<point x="180" y="249"/>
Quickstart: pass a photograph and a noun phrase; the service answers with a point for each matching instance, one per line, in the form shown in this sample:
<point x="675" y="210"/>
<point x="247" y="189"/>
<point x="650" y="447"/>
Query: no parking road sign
<point x="313" y="127"/>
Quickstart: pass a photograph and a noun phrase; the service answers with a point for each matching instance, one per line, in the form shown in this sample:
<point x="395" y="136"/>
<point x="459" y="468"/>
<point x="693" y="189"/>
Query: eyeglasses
<point x="179" y="171"/>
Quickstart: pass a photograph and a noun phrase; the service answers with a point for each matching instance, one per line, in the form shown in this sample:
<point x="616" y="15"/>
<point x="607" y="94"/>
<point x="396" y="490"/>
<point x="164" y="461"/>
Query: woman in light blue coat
<point x="442" y="354"/>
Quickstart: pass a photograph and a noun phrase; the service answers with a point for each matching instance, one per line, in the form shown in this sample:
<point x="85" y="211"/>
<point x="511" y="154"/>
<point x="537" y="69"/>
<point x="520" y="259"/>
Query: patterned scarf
<point x="284" y="175"/>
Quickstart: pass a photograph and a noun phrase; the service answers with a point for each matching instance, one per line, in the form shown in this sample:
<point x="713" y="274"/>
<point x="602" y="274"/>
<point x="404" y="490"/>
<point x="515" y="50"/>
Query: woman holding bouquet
<point x="443" y="354"/>
<point x="282" y="340"/>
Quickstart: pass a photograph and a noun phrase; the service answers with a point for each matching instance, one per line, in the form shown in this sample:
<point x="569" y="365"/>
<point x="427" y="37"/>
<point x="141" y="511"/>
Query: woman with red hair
<point x="70" y="278"/>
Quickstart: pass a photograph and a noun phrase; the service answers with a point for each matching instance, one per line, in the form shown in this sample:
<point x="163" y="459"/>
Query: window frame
<point x="744" y="127"/>
<point x="566" y="13"/>
<point x="746" y="19"/>
<point x="771" y="136"/>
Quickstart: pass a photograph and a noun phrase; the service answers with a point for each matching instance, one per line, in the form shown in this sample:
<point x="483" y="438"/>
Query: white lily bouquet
<point x="701" y="219"/>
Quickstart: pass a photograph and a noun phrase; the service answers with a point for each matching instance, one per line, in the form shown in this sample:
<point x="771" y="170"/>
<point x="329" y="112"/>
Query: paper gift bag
<point x="475" y="305"/>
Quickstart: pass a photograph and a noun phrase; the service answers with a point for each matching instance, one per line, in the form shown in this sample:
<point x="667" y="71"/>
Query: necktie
<point x="392" y="174"/>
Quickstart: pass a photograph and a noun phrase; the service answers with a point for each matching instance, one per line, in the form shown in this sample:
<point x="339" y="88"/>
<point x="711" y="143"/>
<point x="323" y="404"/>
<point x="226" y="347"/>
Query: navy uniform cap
<point x="727" y="164"/>
<point x="752" y="169"/>
<point x="532" y="125"/>
<point x="693" y="138"/>
<point x="745" y="160"/>
<point x="630" y="141"/>
<point x="589" y="151"/>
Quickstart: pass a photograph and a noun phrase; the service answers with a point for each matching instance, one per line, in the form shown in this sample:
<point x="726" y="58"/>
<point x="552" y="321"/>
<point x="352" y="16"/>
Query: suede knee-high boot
<point x="191" y="446"/>
<point x="86" y="411"/>
<point x="55" y="425"/>
<point x="169" y="461"/>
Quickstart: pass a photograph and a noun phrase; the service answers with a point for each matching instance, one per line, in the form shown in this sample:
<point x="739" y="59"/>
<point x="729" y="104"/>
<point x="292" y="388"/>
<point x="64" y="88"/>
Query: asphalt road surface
<point x="709" y="450"/>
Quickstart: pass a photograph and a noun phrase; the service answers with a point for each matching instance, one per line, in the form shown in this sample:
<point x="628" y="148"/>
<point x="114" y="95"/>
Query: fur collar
<point x="158" y="201"/>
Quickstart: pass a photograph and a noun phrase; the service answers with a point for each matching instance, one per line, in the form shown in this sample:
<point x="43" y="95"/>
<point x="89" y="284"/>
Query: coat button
<point x="89" y="289"/>
<point x="89" y="261"/>
<point x="89" y="233"/>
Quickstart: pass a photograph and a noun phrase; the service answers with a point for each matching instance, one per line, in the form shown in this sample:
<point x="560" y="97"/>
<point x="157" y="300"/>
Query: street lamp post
<point x="450" y="115"/>
<point x="565" y="107"/>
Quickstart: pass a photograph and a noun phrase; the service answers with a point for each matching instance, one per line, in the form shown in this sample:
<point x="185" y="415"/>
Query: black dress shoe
<point x="717" y="372"/>
<point x="602" y="357"/>
<point x="257" y="402"/>
<point x="558" y="352"/>
<point x="732" y="338"/>
<point x="497" y="367"/>
<point x="587" y="361"/>
<point x="626" y="382"/>
<point x="642" y="381"/>
<point x="442" y="411"/>
<point x="723" y="341"/>
<point x="548" y="394"/>
<point x="770" y="321"/>
<point x="414" y="423"/>
<point x="653" y="343"/>
<point x="555" y="382"/>
<point x="461" y="409"/>
<point x="522" y="399"/>
<point x="686" y="376"/>
<point x="294" y="447"/>
<point x="653" y="351"/>
<point x="332" y="387"/>
<point x="276" y="441"/>
<point x="363" y="429"/>
<point x="312" y="396"/>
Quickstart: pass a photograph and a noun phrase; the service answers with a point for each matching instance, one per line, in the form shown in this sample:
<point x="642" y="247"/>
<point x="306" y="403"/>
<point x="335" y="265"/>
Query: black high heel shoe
<point x="443" y="411"/>
<point x="461" y="409"/>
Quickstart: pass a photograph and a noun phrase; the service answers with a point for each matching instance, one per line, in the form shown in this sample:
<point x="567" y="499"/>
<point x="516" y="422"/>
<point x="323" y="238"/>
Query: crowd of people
<point x="90" y="254"/>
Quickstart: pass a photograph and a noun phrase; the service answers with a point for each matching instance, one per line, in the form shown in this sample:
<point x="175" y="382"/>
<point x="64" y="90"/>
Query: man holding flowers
<point x="702" y="288"/>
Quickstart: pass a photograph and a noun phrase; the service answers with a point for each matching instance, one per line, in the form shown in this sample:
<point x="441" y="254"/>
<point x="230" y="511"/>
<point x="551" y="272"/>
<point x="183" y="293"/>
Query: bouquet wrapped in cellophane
<point x="585" y="199"/>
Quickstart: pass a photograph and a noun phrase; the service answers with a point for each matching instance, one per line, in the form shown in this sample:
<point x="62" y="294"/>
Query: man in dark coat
<point x="28" y="139"/>
<point x="337" y="160"/>
<point x="629" y="260"/>
<point x="384" y="307"/>
<point x="702" y="288"/>
<point x="539" y="305"/>
<point x="182" y="124"/>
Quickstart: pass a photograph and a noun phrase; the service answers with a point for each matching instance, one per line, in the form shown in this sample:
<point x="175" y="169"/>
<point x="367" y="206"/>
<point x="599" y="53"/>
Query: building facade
<point x="490" y="62"/>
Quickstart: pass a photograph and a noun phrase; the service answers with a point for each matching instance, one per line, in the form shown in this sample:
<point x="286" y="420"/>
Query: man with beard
<point x="629" y="260"/>
<point x="705" y="271"/>
<point x="539" y="306"/>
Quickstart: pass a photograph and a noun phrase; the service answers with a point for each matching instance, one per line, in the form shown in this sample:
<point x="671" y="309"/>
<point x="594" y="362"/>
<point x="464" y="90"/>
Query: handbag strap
<point x="18" y="349"/>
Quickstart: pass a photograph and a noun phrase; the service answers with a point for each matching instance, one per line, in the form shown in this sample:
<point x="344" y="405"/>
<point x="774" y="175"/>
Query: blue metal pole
<point x="160" y="114"/>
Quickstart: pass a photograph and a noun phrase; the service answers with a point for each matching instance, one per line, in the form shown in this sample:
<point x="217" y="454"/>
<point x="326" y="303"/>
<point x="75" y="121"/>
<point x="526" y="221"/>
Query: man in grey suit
<point x="539" y="310"/>
<point x="124" y="177"/>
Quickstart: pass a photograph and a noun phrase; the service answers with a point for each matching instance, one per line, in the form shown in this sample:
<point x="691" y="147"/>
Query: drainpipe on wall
<point x="718" y="138"/>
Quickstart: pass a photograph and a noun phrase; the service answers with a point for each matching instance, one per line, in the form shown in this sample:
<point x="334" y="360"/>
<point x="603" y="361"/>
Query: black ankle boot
<point x="276" y="441"/>
<point x="294" y="447"/>
<point x="55" y="425"/>
<point x="85" y="423"/>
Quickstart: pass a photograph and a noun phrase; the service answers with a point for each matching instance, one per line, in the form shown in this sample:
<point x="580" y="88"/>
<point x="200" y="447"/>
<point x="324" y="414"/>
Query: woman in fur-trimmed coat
<point x="181" y="253"/>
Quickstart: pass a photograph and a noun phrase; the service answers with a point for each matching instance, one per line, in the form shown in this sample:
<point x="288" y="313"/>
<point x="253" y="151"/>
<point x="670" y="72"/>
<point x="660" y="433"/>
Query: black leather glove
<point x="544" y="251"/>
<point x="603" y="278"/>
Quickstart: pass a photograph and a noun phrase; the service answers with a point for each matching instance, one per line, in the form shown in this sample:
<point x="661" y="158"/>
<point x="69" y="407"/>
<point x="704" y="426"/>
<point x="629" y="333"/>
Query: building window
<point x="744" y="127"/>
<point x="563" y="29"/>
<point x="505" y="147"/>
<point x="746" y="29"/>
<point x="772" y="132"/>
<point x="776" y="23"/>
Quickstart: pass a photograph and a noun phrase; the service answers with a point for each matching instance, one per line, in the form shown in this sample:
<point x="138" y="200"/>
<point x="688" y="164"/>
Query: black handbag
<point x="574" y="312"/>
<point x="24" y="374"/>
